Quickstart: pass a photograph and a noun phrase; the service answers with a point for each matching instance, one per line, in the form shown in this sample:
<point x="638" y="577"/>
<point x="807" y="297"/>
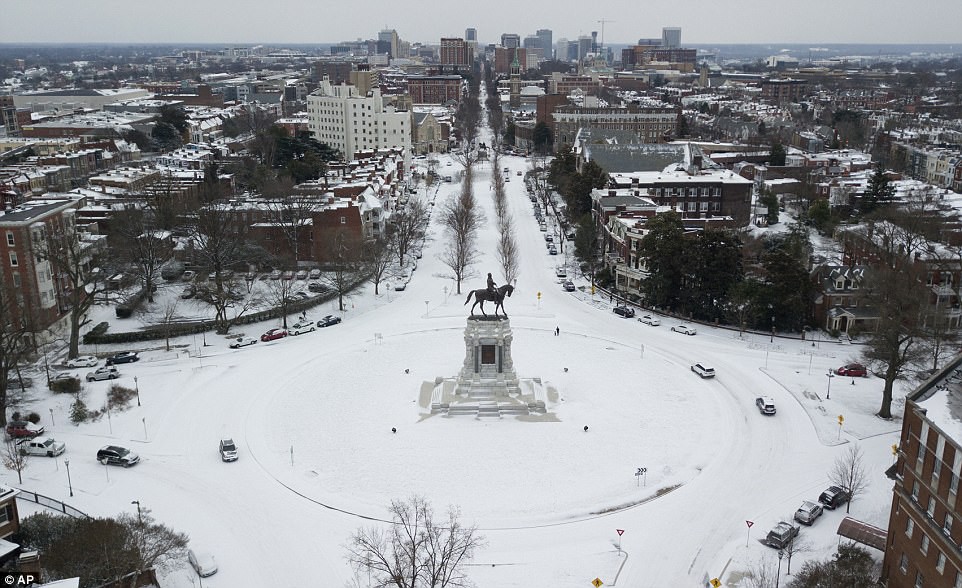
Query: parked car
<point x="781" y="535"/>
<point x="83" y="361"/>
<point x="650" y="320"/>
<point x="543" y="227"/>
<point x="301" y="274"/>
<point x="45" y="446"/>
<point x="227" y="449"/>
<point x="561" y="272"/>
<point x="298" y="328"/>
<point x="123" y="357"/>
<point x="519" y="173"/>
<point x="684" y="329"/>
<point x="400" y="286"/>
<point x="552" y="250"/>
<point x="108" y="372"/>
<point x="765" y="405"/>
<point x="548" y="239"/>
<point x="188" y="276"/>
<point x="808" y="512"/>
<point x="23" y="430"/>
<point x="242" y="342"/>
<point x="624" y="311"/>
<point x="287" y="275"/>
<point x="855" y="370"/>
<point x="188" y="292"/>
<point x="275" y="275"/>
<point x="703" y="370"/>
<point x="273" y="334"/>
<point x="328" y="321"/>
<point x="116" y="455"/>
<point x="834" y="497"/>
<point x="569" y="286"/>
<point x="314" y="274"/>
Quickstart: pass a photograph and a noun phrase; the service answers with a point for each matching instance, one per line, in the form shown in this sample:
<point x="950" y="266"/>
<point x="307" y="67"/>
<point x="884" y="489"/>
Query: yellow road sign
<point x="895" y="450"/>
<point x="539" y="295"/>
<point x="597" y="582"/>
<point x="715" y="582"/>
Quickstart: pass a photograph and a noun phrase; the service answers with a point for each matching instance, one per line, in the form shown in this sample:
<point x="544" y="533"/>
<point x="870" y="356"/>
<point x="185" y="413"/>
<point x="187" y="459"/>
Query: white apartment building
<point x="349" y="122"/>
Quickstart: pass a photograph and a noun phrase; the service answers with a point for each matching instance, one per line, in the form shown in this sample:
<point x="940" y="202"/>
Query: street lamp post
<point x="426" y="302"/>
<point x="772" y="339"/>
<point x="137" y="388"/>
<point x="828" y="393"/>
<point x="66" y="462"/>
<point x="140" y="519"/>
<point x="781" y="554"/>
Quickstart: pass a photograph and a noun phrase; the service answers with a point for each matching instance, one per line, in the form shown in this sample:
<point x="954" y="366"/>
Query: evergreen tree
<point x="777" y="155"/>
<point x="663" y="248"/>
<point x="880" y="191"/>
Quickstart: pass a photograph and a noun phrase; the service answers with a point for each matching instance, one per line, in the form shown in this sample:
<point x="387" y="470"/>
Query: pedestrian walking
<point x="557" y="331"/>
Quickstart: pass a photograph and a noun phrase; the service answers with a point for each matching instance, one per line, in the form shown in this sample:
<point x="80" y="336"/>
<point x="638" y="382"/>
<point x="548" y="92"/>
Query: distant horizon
<point x="292" y="22"/>
<point x="810" y="44"/>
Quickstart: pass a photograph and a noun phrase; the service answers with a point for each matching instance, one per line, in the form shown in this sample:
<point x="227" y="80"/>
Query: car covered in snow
<point x="684" y="329"/>
<point x="808" y="512"/>
<point x="45" y="446"/>
<point x="108" y="372"/>
<point x="242" y="341"/>
<point x="834" y="497"/>
<point x="83" y="361"/>
<point x="781" y="535"/>
<point x="23" y="430"/>
<point x="649" y="320"/>
<point x="624" y="311"/>
<point x="299" y="328"/>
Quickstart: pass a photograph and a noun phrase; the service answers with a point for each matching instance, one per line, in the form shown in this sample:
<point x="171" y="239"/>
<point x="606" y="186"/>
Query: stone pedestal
<point x="488" y="370"/>
<point x="487" y="385"/>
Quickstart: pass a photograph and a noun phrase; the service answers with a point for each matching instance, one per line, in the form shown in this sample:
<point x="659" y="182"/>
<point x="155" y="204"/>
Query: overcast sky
<point x="326" y="21"/>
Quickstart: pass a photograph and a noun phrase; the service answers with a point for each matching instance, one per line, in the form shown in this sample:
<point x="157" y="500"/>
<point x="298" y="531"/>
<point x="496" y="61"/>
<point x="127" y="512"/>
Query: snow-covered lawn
<point x="312" y="416"/>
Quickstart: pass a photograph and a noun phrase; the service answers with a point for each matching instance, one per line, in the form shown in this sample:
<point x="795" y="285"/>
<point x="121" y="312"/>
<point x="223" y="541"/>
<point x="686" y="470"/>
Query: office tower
<point x="471" y="35"/>
<point x="390" y="36"/>
<point x="546" y="43"/>
<point x="671" y="37"/>
<point x="510" y="40"/>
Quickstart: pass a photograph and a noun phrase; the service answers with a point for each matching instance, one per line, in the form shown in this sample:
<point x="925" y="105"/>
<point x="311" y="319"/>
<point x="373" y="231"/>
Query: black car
<point x="115" y="455"/>
<point x="624" y="311"/>
<point x="123" y="357"/>
<point x="834" y="497"/>
<point x="328" y="321"/>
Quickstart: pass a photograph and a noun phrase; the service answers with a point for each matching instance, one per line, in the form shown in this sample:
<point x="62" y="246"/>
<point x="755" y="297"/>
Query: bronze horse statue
<point x="483" y="294"/>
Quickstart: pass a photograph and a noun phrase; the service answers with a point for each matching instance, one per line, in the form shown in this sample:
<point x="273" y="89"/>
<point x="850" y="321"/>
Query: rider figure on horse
<point x="491" y="286"/>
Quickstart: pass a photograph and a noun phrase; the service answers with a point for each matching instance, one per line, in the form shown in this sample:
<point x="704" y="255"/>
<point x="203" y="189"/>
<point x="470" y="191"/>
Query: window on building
<point x="918" y="580"/>
<point x="931" y="508"/>
<point x="14" y="262"/>
<point x="947" y="525"/>
<point x="924" y="546"/>
<point x="909" y="527"/>
<point x="343" y="220"/>
<point x="958" y="580"/>
<point x="10" y="240"/>
<point x="915" y="490"/>
<point x="904" y="563"/>
<point x="940" y="563"/>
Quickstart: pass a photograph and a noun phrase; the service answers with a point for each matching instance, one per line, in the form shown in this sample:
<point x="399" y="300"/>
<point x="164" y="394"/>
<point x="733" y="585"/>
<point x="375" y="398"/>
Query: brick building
<point x="505" y="56"/>
<point x="434" y="89"/>
<point x="925" y="524"/>
<point x="457" y="53"/>
<point x="783" y="91"/>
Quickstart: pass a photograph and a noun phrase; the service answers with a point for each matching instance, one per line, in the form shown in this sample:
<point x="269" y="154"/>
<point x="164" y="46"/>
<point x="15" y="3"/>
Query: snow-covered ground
<point x="313" y="417"/>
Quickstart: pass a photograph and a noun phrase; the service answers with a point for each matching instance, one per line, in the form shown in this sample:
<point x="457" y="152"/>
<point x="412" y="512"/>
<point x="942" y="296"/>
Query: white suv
<point x="298" y="328"/>
<point x="703" y="371"/>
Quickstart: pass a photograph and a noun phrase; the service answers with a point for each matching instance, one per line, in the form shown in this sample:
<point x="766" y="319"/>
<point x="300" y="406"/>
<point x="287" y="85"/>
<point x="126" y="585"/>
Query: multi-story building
<point x="350" y="122"/>
<point x="783" y="91"/>
<point x="925" y="524"/>
<point x="511" y="40"/>
<point x="434" y="89"/>
<point x="546" y="43"/>
<point x="456" y="53"/>
<point x="650" y="124"/>
<point x="390" y="38"/>
<point x="671" y="37"/>
<point x="505" y="56"/>
<point x="24" y="231"/>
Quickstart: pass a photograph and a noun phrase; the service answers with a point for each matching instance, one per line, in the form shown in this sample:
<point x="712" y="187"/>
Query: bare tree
<point x="14" y="459"/>
<point x="346" y="267"/>
<point x="508" y="252"/>
<point x="291" y="213"/>
<point x="78" y="263"/>
<point x="416" y="551"/>
<point x="168" y="316"/>
<point x="219" y="249"/>
<point x="377" y="257"/>
<point x="155" y="544"/>
<point x="142" y="248"/>
<point x="761" y="574"/>
<point x="14" y="336"/>
<point x="850" y="474"/>
<point x="278" y="295"/>
<point x="461" y="219"/>
<point x="407" y="229"/>
<point x="796" y="545"/>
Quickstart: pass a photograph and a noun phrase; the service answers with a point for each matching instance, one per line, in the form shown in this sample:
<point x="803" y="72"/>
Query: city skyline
<point x="244" y="21"/>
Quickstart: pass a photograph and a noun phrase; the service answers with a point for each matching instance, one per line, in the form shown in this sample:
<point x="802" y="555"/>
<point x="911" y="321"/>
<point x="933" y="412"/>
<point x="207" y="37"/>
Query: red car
<point x="274" y="334"/>
<point x="855" y="370"/>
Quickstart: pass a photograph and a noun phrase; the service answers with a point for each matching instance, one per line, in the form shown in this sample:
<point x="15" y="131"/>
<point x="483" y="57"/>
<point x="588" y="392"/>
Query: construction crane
<point x="602" y="23"/>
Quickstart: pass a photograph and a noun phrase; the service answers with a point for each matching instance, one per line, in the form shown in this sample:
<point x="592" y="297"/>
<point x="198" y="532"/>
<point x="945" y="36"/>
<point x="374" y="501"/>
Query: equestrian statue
<point x="491" y="293"/>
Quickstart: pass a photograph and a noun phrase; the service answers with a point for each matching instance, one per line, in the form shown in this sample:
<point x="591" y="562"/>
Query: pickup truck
<point x="45" y="446"/>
